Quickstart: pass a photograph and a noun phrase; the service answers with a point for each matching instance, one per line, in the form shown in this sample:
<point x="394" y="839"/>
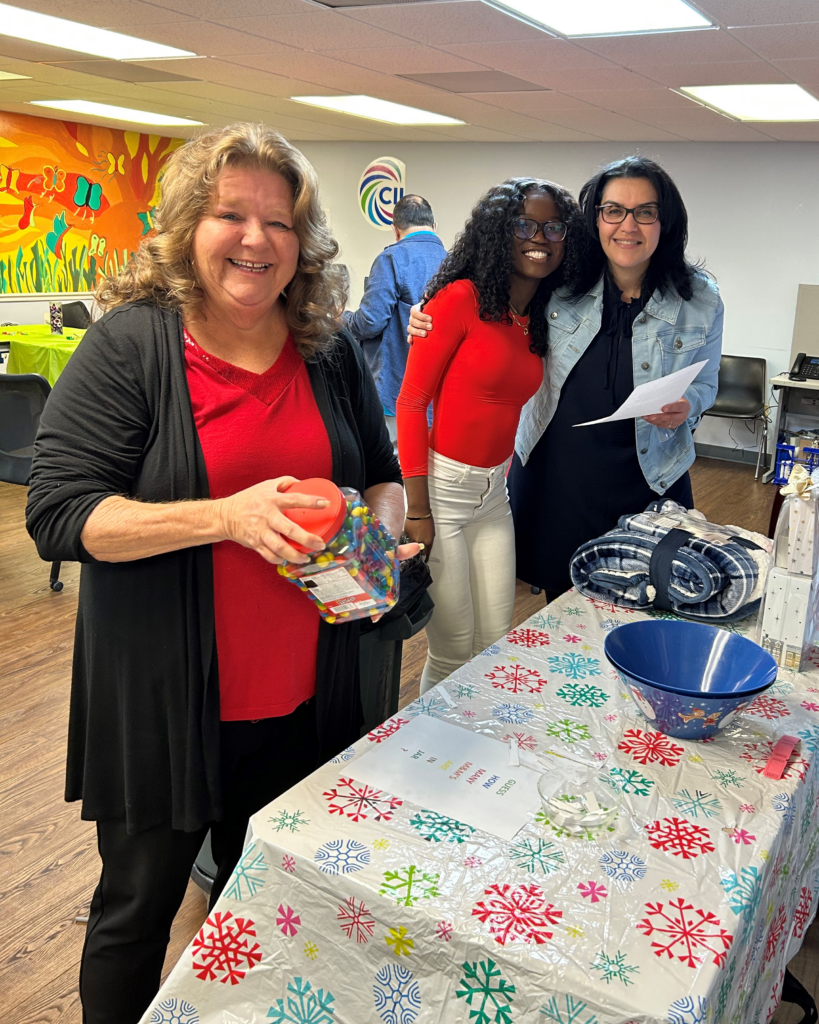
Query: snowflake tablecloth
<point x="350" y="905"/>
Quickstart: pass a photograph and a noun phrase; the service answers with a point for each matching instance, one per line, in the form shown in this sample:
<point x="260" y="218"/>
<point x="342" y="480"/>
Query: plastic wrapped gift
<point x="796" y="546"/>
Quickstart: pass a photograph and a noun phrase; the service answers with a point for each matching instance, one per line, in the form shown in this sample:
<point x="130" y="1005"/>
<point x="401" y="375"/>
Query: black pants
<point x="144" y="876"/>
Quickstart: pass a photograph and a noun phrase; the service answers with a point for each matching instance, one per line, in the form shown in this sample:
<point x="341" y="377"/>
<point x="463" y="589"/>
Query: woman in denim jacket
<point x="639" y="311"/>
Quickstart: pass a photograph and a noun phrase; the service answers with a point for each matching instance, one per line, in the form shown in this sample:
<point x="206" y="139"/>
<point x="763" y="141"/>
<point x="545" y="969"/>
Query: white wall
<point x="753" y="208"/>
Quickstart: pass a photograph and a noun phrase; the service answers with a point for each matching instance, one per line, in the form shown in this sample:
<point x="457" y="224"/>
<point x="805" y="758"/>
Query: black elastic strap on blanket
<point x="794" y="991"/>
<point x="659" y="568"/>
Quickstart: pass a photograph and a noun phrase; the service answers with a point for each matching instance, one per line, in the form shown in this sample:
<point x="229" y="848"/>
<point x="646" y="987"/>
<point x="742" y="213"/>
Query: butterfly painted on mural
<point x="116" y="164"/>
<point x="53" y="179"/>
<point x="87" y="197"/>
<point x="97" y="246"/>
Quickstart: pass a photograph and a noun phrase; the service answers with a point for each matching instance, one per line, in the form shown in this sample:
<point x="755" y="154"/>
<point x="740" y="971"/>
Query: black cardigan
<point x="143" y="738"/>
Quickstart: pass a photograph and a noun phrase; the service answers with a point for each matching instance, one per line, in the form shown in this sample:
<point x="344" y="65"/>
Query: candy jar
<point x="356" y="575"/>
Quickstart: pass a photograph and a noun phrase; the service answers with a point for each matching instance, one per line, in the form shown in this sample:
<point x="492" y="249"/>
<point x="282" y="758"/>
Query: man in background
<point x="396" y="282"/>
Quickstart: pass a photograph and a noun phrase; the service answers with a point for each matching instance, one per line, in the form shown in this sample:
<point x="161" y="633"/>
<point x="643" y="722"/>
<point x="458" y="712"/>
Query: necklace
<point x="523" y="323"/>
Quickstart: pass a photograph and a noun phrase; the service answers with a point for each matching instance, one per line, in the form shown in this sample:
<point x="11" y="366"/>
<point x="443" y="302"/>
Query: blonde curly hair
<point x="161" y="269"/>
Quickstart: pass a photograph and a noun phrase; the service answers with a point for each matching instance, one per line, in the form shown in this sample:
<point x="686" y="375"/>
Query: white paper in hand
<point x="648" y="399"/>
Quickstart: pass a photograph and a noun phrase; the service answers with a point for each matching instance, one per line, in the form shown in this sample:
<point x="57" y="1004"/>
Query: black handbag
<point x="413" y="584"/>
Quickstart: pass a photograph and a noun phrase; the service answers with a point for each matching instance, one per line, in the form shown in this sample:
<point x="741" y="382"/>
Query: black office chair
<point x="741" y="396"/>
<point x="22" y="400"/>
<point x="75" y="314"/>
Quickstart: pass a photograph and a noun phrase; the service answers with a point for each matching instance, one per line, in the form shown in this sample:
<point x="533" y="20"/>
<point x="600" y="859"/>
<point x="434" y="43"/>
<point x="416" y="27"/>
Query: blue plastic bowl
<point x="688" y="679"/>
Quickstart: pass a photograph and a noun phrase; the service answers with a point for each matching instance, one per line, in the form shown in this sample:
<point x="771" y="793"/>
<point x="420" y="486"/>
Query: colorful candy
<point x="356" y="575"/>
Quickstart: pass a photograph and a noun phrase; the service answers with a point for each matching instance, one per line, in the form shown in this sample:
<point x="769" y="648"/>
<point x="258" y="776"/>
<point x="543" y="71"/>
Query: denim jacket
<point x="397" y="281"/>
<point x="668" y="335"/>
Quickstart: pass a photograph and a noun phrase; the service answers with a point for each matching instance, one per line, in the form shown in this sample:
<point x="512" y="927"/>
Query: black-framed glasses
<point x="613" y="213"/>
<point x="525" y="228"/>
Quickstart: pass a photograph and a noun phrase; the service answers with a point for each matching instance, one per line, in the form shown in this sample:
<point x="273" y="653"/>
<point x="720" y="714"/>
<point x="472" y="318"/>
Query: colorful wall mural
<point x="75" y="200"/>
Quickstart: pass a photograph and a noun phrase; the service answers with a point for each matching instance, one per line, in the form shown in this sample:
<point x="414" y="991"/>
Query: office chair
<point x="741" y="396"/>
<point x="75" y="314"/>
<point x="22" y="399"/>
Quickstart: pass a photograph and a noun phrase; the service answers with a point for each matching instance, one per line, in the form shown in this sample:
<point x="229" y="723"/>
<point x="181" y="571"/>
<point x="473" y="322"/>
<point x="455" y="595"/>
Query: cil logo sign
<point x="380" y="188"/>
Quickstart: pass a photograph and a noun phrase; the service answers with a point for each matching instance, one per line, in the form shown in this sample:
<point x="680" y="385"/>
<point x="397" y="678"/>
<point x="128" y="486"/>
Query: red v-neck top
<point x="254" y="427"/>
<point x="478" y="376"/>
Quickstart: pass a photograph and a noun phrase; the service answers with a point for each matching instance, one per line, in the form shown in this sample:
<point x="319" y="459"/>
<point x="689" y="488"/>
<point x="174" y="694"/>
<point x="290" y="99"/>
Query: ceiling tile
<point x="571" y="79"/>
<point x="753" y="72"/>
<point x="464" y="21"/>
<point x="752" y="12"/>
<point x="405" y="60"/>
<point x="113" y="14"/>
<point x="539" y="104"/>
<point x="207" y="39"/>
<point x="781" y="42"/>
<point x="677" y="47"/>
<point x="319" y="68"/>
<point x="475" y="82"/>
<point x="122" y="71"/>
<point x="216" y="10"/>
<point x="320" y="30"/>
<point x="633" y="100"/>
<point x="222" y="72"/>
<point x="527" y="54"/>
<point x="807" y="132"/>
<point x="804" y="70"/>
<point x="608" y="125"/>
<point x="703" y="125"/>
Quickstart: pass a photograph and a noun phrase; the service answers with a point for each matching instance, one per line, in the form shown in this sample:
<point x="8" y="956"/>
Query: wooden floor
<point x="48" y="861"/>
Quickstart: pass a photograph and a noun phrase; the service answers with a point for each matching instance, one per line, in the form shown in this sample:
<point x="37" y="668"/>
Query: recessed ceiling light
<point x="758" y="102"/>
<point x="71" y="35"/>
<point x="376" y="110"/>
<point x="114" y="113"/>
<point x="604" y="18"/>
<point x="7" y="76"/>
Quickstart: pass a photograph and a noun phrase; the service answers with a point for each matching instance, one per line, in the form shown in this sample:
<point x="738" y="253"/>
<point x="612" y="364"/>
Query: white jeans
<point x="472" y="564"/>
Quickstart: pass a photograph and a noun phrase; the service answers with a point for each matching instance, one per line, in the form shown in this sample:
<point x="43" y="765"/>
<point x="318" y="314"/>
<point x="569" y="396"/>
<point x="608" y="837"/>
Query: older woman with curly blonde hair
<point x="204" y="683"/>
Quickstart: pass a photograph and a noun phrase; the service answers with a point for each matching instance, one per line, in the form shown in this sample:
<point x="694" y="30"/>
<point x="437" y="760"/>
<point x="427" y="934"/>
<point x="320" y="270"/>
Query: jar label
<point x="337" y="589"/>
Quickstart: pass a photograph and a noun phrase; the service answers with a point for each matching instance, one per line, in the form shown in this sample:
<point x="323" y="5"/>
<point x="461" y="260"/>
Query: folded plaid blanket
<point x="672" y="559"/>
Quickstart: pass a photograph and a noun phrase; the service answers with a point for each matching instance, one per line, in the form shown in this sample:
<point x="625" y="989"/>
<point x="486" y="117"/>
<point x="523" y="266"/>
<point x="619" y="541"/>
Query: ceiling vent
<point x="122" y="71"/>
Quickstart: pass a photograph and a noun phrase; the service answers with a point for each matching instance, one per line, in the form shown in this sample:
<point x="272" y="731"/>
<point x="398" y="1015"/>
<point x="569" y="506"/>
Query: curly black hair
<point x="483" y="254"/>
<point x="669" y="270"/>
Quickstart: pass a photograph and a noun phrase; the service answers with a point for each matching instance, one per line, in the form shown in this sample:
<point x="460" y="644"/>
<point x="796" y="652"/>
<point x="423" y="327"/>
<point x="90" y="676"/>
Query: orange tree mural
<point x="75" y="200"/>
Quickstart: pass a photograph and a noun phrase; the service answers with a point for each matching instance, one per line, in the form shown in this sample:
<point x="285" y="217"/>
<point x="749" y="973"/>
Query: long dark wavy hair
<point x="483" y="254"/>
<point x="669" y="270"/>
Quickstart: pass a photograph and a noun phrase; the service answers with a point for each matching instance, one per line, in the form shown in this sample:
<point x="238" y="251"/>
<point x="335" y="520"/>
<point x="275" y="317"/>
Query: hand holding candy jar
<point x="356" y="575"/>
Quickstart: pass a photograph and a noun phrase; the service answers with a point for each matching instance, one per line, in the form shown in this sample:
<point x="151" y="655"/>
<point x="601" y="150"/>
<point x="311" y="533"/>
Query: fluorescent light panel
<point x="71" y="35"/>
<point x="376" y="110"/>
<point x="758" y="102"/>
<point x="114" y="113"/>
<point x="606" y="17"/>
<point x="7" y="76"/>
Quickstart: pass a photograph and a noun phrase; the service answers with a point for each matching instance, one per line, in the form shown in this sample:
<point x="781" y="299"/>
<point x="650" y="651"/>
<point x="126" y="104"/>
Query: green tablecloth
<point x="35" y="349"/>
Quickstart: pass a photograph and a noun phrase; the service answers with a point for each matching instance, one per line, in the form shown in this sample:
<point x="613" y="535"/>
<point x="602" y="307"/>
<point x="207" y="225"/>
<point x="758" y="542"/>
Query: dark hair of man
<point x="668" y="270"/>
<point x="412" y="212"/>
<point x="483" y="253"/>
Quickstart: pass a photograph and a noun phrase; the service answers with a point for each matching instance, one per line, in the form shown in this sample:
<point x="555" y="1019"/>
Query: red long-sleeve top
<point x="477" y="375"/>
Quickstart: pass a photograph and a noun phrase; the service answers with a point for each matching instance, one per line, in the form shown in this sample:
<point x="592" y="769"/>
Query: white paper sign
<point x="648" y="399"/>
<point x="455" y="772"/>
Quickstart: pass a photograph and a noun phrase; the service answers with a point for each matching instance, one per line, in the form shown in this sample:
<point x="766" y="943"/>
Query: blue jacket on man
<point x="396" y="282"/>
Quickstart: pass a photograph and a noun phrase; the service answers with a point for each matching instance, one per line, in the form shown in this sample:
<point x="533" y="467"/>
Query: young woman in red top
<point x="481" y="366"/>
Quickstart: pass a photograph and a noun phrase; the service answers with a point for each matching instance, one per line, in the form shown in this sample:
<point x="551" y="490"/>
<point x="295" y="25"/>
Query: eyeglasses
<point x="614" y="214"/>
<point x="525" y="228"/>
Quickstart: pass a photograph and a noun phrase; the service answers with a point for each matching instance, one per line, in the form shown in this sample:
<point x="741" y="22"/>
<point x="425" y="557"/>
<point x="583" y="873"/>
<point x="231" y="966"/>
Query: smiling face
<point x="245" y="250"/>
<point x="629" y="245"/>
<point x="536" y="258"/>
